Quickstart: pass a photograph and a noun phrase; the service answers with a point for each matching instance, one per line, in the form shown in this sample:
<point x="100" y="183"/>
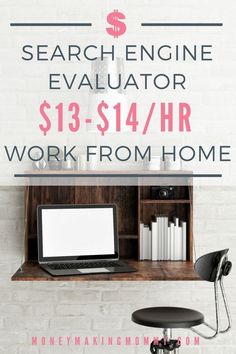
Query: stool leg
<point x="167" y="333"/>
<point x="166" y="336"/>
<point x="176" y="351"/>
<point x="166" y="345"/>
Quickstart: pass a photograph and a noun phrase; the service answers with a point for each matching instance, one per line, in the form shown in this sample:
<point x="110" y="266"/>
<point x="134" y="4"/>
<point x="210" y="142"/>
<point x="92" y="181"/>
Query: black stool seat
<point x="167" y="317"/>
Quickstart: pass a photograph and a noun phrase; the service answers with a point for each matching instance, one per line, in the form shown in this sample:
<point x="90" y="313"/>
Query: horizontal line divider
<point x="35" y="24"/>
<point x="179" y="24"/>
<point x="89" y="24"/>
<point x="48" y="175"/>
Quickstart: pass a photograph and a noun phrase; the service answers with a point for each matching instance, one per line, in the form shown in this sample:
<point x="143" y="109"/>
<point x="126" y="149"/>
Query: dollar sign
<point x="103" y="128"/>
<point x="119" y="27"/>
<point x="47" y="127"/>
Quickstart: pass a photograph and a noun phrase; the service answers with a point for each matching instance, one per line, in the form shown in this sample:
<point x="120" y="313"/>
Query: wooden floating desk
<point x="134" y="205"/>
<point x="146" y="270"/>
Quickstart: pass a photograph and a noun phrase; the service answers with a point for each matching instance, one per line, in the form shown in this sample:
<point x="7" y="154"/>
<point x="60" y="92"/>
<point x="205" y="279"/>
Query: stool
<point x="211" y="267"/>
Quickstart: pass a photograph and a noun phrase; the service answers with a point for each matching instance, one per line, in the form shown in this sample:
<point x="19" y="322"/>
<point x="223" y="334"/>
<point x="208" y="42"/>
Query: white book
<point x="178" y="243"/>
<point x="176" y="238"/>
<point x="145" y="241"/>
<point x="150" y="245"/>
<point x="176" y="221"/>
<point x="159" y="237"/>
<point x="143" y="245"/>
<point x="180" y="255"/>
<point x="172" y="241"/>
<point x="162" y="239"/>
<point x="165" y="237"/>
<point x="184" y="240"/>
<point x="154" y="240"/>
<point x="141" y="227"/>
<point x="168" y="243"/>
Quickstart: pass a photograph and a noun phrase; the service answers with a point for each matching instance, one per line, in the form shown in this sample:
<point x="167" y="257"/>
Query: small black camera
<point x="166" y="192"/>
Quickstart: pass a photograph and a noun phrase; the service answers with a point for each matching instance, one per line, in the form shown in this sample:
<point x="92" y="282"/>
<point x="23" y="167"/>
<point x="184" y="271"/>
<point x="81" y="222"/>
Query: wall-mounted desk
<point x="146" y="270"/>
<point x="134" y="205"/>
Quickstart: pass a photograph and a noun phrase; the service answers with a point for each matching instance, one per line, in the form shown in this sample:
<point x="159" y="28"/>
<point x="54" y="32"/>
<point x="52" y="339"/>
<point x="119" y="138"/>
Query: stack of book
<point x="165" y="241"/>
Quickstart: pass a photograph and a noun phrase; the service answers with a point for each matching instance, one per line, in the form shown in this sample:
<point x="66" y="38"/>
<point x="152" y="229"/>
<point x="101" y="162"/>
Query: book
<point x="177" y="240"/>
<point x="154" y="240"/>
<point x="141" y="226"/>
<point x="184" y="240"/>
<point x="172" y="241"/>
<point x="150" y="245"/>
<point x="169" y="243"/>
<point x="145" y="242"/>
<point x="178" y="243"/>
<point x="165" y="238"/>
<point x="159" y="236"/>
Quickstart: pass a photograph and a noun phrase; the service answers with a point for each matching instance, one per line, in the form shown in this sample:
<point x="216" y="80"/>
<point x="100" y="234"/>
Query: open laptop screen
<point x="77" y="232"/>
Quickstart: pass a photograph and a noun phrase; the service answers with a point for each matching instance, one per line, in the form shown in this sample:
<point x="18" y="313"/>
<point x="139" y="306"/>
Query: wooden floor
<point x="146" y="270"/>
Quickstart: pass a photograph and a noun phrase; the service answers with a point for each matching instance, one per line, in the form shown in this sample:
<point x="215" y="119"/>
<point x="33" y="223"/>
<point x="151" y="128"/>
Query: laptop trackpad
<point x="93" y="270"/>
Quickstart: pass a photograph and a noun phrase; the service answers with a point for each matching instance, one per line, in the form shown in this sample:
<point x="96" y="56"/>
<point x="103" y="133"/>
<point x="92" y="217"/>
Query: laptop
<point x="79" y="239"/>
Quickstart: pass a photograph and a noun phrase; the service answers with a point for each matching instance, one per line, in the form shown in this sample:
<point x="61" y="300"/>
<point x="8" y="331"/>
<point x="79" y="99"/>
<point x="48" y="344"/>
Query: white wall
<point x="210" y="85"/>
<point x="92" y="308"/>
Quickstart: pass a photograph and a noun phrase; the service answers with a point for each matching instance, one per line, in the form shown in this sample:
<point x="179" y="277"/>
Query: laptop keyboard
<point x="100" y="264"/>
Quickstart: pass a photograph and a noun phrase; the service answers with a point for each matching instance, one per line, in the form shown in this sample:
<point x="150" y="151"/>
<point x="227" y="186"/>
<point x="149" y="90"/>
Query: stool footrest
<point x="164" y="344"/>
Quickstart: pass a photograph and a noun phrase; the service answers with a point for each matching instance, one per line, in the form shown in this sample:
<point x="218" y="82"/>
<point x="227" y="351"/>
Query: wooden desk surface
<point x="146" y="270"/>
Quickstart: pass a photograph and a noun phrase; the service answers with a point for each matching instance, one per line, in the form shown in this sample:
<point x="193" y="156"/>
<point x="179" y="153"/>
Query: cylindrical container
<point x="154" y="164"/>
<point x="39" y="162"/>
<point x="83" y="162"/>
<point x="77" y="163"/>
<point x="68" y="164"/>
<point x="171" y="164"/>
<point x="54" y="165"/>
<point x="39" y="165"/>
<point x="92" y="163"/>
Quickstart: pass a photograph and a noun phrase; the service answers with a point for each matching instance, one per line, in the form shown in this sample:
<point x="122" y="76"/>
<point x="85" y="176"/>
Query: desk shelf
<point x="173" y="201"/>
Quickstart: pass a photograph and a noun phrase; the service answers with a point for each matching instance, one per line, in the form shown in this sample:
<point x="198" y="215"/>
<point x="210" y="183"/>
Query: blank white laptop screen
<point x="77" y="232"/>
